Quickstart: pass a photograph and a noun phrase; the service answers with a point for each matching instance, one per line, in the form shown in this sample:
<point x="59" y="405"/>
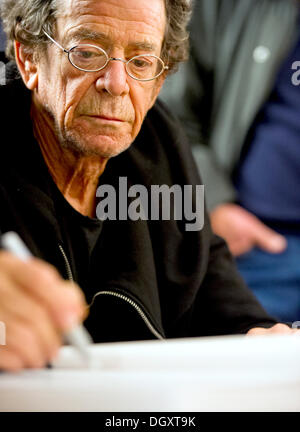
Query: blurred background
<point x="2" y="44"/>
<point x="2" y="38"/>
<point x="238" y="98"/>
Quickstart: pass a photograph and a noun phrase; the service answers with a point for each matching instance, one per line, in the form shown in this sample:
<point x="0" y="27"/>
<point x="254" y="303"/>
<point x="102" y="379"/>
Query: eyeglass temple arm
<point x="56" y="43"/>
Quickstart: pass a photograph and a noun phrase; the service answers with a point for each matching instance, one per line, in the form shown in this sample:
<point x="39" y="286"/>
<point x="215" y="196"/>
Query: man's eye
<point x="141" y="63"/>
<point x="86" y="54"/>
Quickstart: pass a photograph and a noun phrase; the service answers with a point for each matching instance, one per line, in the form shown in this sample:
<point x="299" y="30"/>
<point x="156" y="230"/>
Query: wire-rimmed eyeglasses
<point x="92" y="58"/>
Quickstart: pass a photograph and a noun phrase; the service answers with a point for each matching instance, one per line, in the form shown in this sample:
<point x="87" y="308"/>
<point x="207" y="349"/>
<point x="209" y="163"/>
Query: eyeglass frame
<point x="108" y="59"/>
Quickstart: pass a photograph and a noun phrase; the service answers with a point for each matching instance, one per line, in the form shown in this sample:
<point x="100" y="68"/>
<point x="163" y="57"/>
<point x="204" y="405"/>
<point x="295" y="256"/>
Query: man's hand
<point x="36" y="306"/>
<point x="242" y="230"/>
<point x="276" y="329"/>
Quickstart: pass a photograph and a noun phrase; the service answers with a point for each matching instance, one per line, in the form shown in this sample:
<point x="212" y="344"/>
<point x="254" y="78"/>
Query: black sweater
<point x="155" y="279"/>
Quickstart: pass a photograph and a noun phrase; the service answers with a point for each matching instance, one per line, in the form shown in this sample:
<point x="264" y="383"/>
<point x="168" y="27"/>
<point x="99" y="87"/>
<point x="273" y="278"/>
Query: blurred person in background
<point x="238" y="98"/>
<point x="2" y="39"/>
<point x="2" y="44"/>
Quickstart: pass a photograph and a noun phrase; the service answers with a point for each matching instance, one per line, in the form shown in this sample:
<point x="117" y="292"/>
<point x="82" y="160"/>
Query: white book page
<point x="231" y="353"/>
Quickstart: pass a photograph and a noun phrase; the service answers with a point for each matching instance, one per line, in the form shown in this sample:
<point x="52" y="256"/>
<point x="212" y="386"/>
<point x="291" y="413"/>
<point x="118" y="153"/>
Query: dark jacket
<point x="147" y="278"/>
<point x="237" y="47"/>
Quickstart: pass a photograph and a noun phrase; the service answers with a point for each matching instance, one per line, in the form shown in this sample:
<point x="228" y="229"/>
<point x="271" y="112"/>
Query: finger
<point x="64" y="300"/>
<point x="276" y="329"/>
<point x="17" y="306"/>
<point x="240" y="246"/>
<point x="280" y="329"/>
<point x="9" y="361"/>
<point x="25" y="344"/>
<point x="267" y="239"/>
<point x="256" y="331"/>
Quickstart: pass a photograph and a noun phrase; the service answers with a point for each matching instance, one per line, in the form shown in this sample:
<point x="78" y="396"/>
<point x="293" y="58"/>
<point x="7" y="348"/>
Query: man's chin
<point x="102" y="146"/>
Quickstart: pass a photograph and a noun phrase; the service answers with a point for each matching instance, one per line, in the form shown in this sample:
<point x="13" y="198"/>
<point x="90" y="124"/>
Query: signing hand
<point x="36" y="306"/>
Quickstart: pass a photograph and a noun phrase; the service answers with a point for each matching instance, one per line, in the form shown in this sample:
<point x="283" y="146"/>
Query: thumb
<point x="267" y="239"/>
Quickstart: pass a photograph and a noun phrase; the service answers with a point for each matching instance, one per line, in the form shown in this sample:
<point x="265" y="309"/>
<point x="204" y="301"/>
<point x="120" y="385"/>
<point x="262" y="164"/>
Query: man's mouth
<point x="107" y="118"/>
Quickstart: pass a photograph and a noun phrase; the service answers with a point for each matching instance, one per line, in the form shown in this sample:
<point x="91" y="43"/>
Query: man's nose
<point x="114" y="78"/>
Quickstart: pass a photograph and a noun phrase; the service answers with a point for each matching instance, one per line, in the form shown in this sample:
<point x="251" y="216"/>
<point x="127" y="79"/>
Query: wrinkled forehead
<point x="144" y="20"/>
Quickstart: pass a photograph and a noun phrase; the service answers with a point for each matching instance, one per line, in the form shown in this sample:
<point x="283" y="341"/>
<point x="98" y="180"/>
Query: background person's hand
<point x="36" y="306"/>
<point x="243" y="231"/>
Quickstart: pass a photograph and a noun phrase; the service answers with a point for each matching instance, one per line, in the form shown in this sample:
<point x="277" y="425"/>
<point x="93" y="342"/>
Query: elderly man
<point x="92" y="71"/>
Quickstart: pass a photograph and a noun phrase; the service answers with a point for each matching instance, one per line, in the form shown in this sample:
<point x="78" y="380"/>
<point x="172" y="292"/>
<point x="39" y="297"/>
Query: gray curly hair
<point x="23" y="20"/>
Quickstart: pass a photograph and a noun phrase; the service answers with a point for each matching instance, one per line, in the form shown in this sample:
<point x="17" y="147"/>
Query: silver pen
<point x="78" y="336"/>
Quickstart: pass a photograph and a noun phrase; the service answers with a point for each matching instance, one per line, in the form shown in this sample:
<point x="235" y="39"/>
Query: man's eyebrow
<point x="96" y="36"/>
<point x="146" y="46"/>
<point x="84" y="33"/>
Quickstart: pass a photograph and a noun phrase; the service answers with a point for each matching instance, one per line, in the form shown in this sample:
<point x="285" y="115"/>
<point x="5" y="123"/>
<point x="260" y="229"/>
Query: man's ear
<point x="28" y="69"/>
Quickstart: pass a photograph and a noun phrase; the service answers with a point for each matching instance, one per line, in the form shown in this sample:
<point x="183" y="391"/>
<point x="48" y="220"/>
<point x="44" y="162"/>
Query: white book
<point x="229" y="373"/>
